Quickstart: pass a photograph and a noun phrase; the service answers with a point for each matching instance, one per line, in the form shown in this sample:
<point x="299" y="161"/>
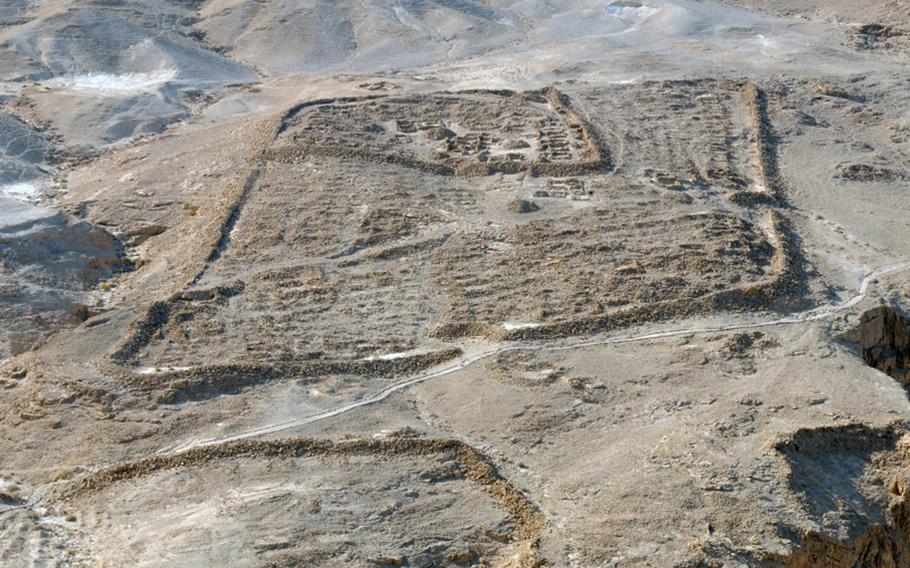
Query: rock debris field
<point x="455" y="283"/>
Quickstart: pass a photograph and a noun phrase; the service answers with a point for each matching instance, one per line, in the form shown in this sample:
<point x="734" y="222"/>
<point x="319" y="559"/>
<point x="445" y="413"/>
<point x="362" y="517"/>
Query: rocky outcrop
<point x="879" y="546"/>
<point x="853" y="479"/>
<point x="51" y="266"/>
<point x="884" y="338"/>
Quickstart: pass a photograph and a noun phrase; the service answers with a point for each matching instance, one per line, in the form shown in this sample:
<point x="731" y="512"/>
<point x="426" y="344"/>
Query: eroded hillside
<point x="453" y="283"/>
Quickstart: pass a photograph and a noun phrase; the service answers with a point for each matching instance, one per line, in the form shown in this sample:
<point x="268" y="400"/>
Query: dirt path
<point x="815" y="314"/>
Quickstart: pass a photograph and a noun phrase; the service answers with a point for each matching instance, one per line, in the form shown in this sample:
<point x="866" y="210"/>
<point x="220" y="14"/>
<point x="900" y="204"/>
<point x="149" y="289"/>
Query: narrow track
<point x="815" y="314"/>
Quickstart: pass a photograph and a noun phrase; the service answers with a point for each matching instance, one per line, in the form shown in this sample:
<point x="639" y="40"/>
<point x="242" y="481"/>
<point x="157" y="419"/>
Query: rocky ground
<point x="454" y="283"/>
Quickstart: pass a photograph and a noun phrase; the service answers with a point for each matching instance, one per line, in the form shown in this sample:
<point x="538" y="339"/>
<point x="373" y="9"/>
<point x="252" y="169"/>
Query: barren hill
<point x="454" y="283"/>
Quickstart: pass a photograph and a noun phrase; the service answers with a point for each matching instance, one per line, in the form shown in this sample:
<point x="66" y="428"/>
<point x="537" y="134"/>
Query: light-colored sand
<point x="272" y="290"/>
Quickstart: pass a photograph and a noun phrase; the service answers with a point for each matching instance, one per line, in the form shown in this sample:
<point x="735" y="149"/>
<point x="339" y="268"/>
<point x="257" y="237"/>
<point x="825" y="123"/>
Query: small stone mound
<point x="524" y="368"/>
<point x="522" y="206"/>
<point x="440" y="133"/>
<point x="835" y="92"/>
<point x="517" y="144"/>
<point x="874" y="35"/>
<point x="741" y="345"/>
<point x="866" y="172"/>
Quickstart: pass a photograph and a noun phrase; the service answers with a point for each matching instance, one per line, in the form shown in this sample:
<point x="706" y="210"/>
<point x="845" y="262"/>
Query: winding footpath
<point x="815" y="314"/>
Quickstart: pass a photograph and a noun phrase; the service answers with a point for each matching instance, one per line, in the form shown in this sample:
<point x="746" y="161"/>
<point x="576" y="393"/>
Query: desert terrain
<point x="500" y="283"/>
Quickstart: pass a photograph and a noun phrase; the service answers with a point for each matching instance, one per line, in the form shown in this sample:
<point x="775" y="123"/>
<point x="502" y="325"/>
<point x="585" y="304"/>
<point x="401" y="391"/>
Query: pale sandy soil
<point x="451" y="283"/>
